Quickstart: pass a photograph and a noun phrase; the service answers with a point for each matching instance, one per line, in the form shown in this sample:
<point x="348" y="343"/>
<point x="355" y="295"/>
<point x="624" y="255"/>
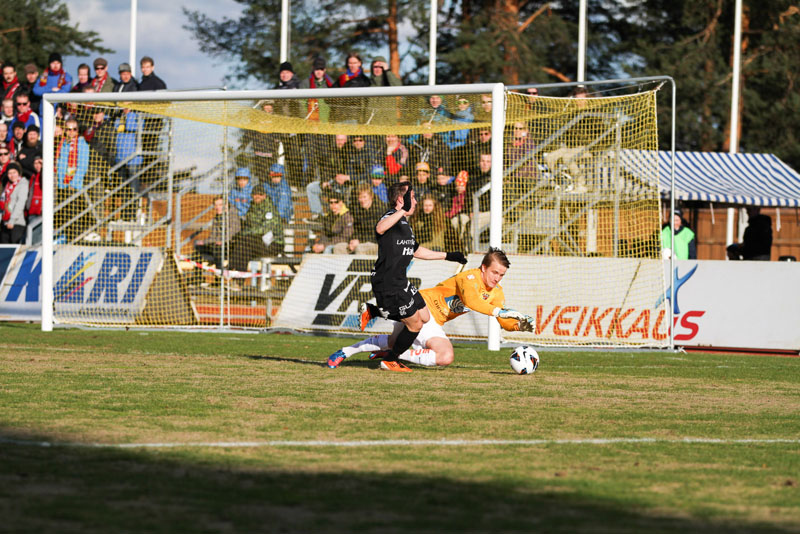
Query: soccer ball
<point x="524" y="360"/>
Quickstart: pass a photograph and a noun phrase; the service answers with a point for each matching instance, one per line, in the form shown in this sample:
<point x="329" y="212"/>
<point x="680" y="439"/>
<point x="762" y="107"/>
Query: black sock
<point x="402" y="343"/>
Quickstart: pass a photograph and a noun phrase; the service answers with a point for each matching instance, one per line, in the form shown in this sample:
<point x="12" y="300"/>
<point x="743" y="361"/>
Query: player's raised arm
<point x="390" y="220"/>
<point x="403" y="205"/>
<point x="423" y="253"/>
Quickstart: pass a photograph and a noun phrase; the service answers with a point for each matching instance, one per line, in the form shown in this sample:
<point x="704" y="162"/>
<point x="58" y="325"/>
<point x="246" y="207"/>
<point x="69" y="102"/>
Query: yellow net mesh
<point x="565" y="168"/>
<point x="581" y="194"/>
<point x="201" y="213"/>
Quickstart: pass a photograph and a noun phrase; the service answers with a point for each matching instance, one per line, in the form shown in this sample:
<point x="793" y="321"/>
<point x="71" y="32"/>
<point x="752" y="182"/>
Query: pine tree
<point x="326" y="28"/>
<point x="514" y="41"/>
<point x="692" y="41"/>
<point x="33" y="29"/>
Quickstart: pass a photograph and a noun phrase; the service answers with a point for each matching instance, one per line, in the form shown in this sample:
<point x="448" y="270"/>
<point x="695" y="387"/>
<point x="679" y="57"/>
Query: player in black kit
<point x="396" y="297"/>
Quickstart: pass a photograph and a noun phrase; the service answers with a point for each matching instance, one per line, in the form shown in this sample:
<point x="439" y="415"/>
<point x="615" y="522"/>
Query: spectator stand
<point x="254" y="295"/>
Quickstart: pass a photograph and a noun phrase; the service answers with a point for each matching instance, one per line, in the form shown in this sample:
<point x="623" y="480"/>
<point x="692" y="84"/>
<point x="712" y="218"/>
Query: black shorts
<point x="400" y="304"/>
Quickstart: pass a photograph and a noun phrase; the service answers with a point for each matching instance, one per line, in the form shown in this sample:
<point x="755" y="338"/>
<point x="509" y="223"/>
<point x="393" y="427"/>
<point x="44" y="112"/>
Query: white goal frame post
<point x="498" y="117"/>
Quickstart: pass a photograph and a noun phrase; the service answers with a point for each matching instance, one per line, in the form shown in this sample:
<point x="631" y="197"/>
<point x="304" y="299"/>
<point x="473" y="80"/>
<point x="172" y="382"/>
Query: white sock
<point x="424" y="357"/>
<point x="371" y="344"/>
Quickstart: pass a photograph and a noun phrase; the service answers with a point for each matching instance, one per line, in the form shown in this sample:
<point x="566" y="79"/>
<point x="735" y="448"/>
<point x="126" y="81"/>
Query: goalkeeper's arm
<point x="513" y="320"/>
<point x="469" y="291"/>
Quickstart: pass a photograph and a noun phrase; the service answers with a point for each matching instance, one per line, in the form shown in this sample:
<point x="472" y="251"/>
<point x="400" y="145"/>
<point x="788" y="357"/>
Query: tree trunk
<point x="471" y="75"/>
<point x="509" y="19"/>
<point x="394" y="52"/>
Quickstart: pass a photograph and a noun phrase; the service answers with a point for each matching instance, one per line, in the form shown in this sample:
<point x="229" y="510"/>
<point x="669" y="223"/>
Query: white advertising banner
<point x="20" y="283"/>
<point x="737" y="304"/>
<point x="587" y="301"/>
<point x="328" y="288"/>
<point x="723" y="304"/>
<point x="103" y="284"/>
<point x="746" y="305"/>
<point x="106" y="284"/>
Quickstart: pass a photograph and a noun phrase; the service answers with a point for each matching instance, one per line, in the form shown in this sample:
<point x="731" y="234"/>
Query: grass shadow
<point x="62" y="488"/>
<point x="372" y="364"/>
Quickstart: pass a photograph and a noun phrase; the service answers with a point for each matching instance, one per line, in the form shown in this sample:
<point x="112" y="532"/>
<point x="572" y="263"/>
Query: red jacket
<point x="34" y="206"/>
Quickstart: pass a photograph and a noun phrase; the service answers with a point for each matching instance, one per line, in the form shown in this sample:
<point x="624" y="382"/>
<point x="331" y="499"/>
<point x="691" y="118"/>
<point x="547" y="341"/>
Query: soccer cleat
<point x="366" y="316"/>
<point x="336" y="358"/>
<point x="394" y="366"/>
<point x="381" y="354"/>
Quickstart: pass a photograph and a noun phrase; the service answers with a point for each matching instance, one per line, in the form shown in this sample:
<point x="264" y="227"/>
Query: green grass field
<point x="213" y="415"/>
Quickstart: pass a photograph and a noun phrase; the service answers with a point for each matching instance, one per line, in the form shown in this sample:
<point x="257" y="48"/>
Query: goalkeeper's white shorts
<point x="429" y="330"/>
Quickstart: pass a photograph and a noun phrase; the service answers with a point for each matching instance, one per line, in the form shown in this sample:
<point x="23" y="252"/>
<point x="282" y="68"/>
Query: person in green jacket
<point x="380" y="75"/>
<point x="383" y="110"/>
<point x="685" y="243"/>
<point x="261" y="233"/>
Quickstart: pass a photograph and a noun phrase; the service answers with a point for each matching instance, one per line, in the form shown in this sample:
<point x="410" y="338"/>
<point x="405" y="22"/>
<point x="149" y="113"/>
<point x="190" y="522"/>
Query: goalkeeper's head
<point x="494" y="267"/>
<point x="495" y="255"/>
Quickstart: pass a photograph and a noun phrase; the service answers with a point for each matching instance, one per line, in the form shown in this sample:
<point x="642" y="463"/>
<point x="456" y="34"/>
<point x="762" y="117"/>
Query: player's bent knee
<point x="443" y="349"/>
<point x="444" y="359"/>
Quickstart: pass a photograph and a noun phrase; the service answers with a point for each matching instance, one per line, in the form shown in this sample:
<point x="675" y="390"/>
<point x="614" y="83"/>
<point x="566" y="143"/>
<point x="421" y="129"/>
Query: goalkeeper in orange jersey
<point x="473" y="289"/>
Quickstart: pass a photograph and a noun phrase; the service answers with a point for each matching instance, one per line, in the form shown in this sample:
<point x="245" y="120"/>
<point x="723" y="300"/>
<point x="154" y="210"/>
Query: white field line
<point x="405" y="442"/>
<point x="704" y="367"/>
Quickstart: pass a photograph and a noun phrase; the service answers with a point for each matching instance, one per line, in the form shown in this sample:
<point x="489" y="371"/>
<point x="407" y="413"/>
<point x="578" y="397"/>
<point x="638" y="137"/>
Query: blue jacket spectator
<point x="377" y="175"/>
<point x="22" y="113"/>
<point x="279" y="192"/>
<point x="242" y="192"/>
<point x="73" y="159"/>
<point x="54" y="79"/>
<point x="464" y="114"/>
<point x="127" y="125"/>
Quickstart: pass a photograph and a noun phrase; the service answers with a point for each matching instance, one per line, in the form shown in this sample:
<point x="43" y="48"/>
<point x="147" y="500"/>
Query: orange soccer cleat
<point x="397" y="367"/>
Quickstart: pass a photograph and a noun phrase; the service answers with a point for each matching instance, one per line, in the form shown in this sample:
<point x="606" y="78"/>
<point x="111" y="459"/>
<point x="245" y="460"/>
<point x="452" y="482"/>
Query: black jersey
<point x="396" y="249"/>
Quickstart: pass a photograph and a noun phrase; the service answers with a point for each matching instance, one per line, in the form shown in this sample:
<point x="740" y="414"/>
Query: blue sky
<point x="159" y="35"/>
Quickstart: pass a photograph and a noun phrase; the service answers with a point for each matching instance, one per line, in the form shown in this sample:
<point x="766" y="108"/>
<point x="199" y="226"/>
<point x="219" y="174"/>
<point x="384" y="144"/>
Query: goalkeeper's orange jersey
<point x="463" y="292"/>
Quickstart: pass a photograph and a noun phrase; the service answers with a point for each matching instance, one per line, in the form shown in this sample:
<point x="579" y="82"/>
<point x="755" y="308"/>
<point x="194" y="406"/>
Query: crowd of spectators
<point x="345" y="177"/>
<point x="87" y="140"/>
<point x="353" y="178"/>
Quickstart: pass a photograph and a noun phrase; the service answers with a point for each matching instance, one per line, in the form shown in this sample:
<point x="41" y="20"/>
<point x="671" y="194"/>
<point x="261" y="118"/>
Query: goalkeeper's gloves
<point x="456" y="256"/>
<point x="508" y="313"/>
<point x="527" y="324"/>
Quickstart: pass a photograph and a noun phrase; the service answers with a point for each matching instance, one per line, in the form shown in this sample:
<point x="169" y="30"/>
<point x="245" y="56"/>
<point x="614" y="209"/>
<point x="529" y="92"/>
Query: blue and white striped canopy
<point x="751" y="179"/>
